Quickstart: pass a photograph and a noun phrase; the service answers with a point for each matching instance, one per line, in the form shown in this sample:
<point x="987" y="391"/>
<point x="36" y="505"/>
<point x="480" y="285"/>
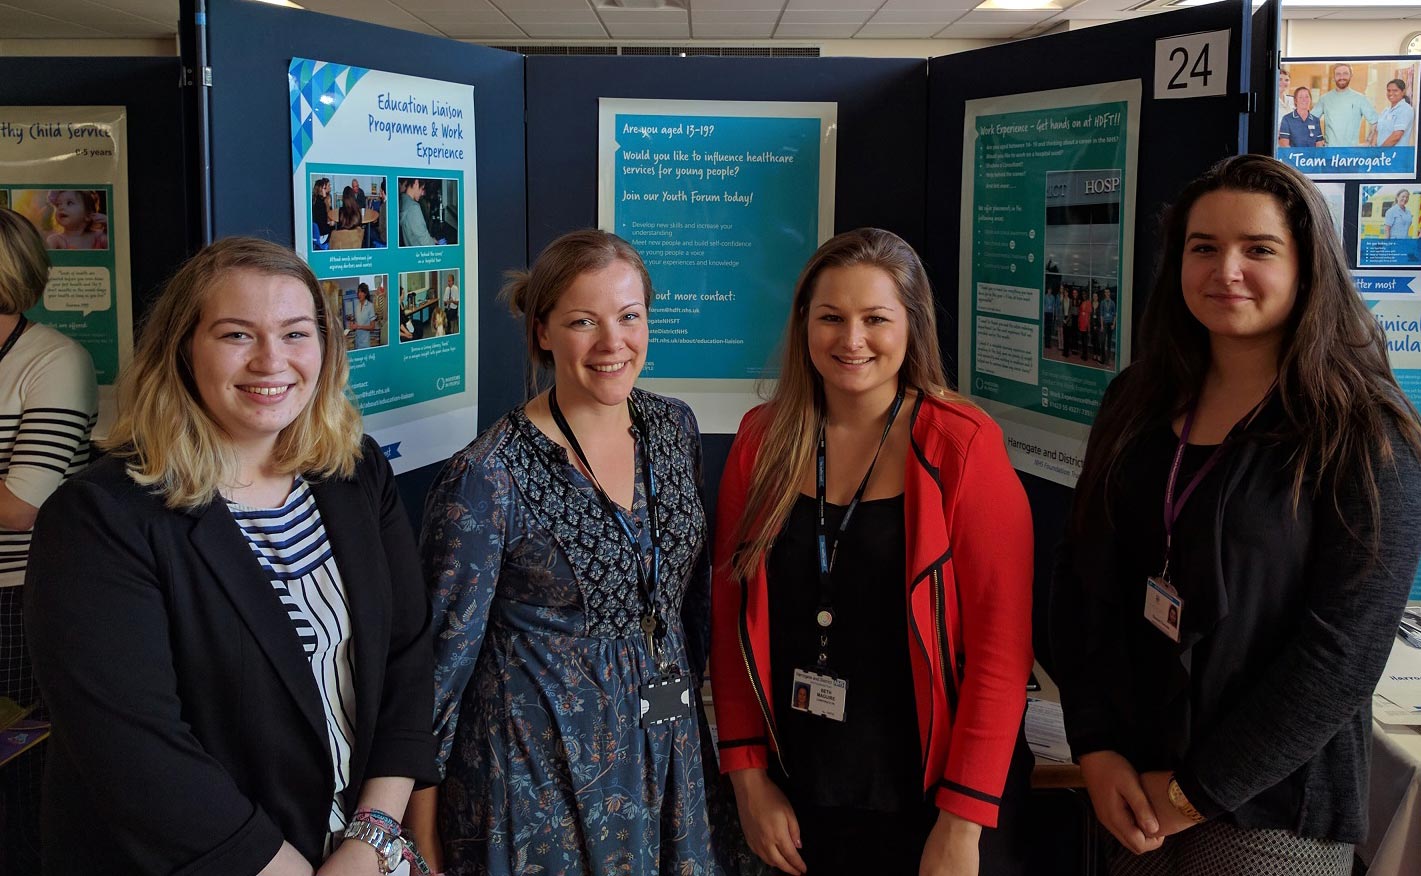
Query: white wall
<point x="1330" y="38"/>
<point x="159" y="47"/>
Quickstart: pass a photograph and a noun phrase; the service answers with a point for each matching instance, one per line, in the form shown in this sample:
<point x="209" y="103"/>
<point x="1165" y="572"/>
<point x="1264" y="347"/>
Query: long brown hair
<point x="1334" y="380"/>
<point x="796" y="407"/>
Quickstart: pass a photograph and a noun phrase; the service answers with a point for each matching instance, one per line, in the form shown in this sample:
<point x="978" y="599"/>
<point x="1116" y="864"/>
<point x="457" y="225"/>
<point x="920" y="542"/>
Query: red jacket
<point x="969" y="561"/>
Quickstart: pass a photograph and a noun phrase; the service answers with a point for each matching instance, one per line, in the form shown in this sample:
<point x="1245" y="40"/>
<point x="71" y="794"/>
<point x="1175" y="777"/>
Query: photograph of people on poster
<point x="429" y="211"/>
<point x="429" y="305"/>
<point x="1387" y="227"/>
<point x="1348" y="118"/>
<point x="362" y="300"/>
<point x="1082" y="286"/>
<point x="348" y="217"/>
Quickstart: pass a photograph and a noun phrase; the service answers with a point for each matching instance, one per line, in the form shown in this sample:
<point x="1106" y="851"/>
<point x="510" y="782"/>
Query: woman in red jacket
<point x="871" y="600"/>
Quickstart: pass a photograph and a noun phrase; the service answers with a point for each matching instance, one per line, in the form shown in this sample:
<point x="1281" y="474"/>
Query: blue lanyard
<point x="652" y="624"/>
<point x="828" y="552"/>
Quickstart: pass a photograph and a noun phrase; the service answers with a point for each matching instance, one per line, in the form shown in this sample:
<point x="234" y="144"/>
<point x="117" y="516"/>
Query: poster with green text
<point x="1048" y="217"/>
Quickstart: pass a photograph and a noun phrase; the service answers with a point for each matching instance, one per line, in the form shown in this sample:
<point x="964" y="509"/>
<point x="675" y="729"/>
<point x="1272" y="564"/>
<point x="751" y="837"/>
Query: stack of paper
<point x="1397" y="699"/>
<point x="1046" y="730"/>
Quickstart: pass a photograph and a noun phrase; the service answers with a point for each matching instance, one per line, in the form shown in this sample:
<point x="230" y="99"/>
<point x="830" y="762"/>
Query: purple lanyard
<point x="1173" y="508"/>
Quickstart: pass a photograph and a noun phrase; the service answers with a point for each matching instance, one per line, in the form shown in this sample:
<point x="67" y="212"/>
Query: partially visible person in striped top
<point x="48" y="403"/>
<point x="228" y="608"/>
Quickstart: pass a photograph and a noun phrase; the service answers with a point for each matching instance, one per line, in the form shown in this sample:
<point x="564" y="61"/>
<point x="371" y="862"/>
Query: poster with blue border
<point x="726" y="201"/>
<point x="384" y="182"/>
<point x="1348" y="118"/>
<point x="1399" y="313"/>
<point x="65" y="169"/>
<point x="1048" y="219"/>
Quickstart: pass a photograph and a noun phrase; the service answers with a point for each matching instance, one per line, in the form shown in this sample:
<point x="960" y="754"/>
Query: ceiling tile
<point x="473" y="7"/>
<point x="919" y="16"/>
<point x="892" y="30"/>
<point x="23" y="24"/>
<point x="808" y="30"/>
<point x="646" y="24"/>
<point x="950" y="8"/>
<point x="1024" y="18"/>
<point x="566" y="30"/>
<point x="735" y="30"/>
<point x="698" y="17"/>
<point x="802" y="5"/>
<point x="967" y="31"/>
<point x="829" y="16"/>
<point x="480" y="30"/>
<point x="102" y="18"/>
<point x="731" y="5"/>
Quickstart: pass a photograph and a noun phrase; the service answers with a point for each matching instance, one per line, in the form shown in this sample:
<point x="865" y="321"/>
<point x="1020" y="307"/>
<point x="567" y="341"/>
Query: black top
<point x="1263" y="709"/>
<point x="872" y="760"/>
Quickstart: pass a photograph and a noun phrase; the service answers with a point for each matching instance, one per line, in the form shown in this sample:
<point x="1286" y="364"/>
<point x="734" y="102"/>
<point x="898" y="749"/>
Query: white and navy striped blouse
<point x="290" y="543"/>
<point x="48" y="404"/>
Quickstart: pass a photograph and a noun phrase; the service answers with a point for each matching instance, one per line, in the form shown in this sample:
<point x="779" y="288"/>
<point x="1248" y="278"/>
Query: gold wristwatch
<point x="1181" y="802"/>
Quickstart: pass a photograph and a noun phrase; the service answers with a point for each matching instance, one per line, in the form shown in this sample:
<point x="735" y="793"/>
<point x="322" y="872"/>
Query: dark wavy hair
<point x="1334" y="380"/>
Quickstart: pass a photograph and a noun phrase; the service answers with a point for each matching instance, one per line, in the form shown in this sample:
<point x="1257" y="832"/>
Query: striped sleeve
<point x="48" y="439"/>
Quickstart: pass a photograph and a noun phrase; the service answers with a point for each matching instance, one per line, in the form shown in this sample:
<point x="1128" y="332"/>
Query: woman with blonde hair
<point x="873" y="544"/>
<point x="564" y="549"/>
<point x="230" y="603"/>
<point x="48" y="403"/>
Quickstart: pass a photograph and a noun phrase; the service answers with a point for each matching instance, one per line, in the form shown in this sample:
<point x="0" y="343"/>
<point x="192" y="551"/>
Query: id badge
<point x="819" y="694"/>
<point x="665" y="698"/>
<point x="1163" y="607"/>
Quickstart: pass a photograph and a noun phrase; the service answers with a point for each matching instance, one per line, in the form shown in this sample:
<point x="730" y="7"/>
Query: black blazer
<point x="1263" y="709"/>
<point x="189" y="736"/>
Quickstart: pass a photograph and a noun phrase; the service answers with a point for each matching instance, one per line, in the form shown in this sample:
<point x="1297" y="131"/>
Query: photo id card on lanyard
<point x="820" y="691"/>
<point x="1163" y="606"/>
<point x="667" y="695"/>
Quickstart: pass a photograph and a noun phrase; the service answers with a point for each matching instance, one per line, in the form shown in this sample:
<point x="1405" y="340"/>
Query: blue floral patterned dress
<point x="539" y="657"/>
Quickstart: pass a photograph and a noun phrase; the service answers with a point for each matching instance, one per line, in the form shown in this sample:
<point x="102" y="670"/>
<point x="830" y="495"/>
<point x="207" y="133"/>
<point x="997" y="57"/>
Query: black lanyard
<point x="14" y="336"/>
<point x="652" y="624"/>
<point x="828" y="552"/>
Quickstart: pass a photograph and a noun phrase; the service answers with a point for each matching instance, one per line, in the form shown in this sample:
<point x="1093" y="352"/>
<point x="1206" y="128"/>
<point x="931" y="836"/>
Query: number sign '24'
<point x="1192" y="65"/>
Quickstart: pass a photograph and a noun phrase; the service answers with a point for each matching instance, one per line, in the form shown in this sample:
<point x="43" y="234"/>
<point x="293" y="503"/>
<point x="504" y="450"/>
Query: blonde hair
<point x="531" y="295"/>
<point x="796" y="407"/>
<point x="24" y="264"/>
<point x="170" y="440"/>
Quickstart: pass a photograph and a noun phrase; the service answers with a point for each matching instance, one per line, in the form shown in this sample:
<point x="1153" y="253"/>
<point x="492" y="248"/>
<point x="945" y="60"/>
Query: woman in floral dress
<point x="564" y="547"/>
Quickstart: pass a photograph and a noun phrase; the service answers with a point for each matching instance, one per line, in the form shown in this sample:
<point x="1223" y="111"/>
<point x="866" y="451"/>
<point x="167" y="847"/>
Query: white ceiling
<point x="606" y="20"/>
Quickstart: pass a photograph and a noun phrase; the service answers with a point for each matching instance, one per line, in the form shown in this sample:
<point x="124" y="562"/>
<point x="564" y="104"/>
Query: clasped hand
<point x="1133" y="806"/>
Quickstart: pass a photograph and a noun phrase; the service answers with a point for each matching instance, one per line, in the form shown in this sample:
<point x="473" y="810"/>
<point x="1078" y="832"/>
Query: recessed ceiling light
<point x="287" y="3"/>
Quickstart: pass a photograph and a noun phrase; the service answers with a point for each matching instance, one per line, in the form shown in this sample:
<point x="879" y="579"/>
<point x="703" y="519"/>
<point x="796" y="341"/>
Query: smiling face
<point x="1393" y="94"/>
<point x="857" y="330"/>
<point x="1239" y="272"/>
<point x="255" y="357"/>
<point x="1302" y="99"/>
<point x="1402" y="197"/>
<point x="1283" y="81"/>
<point x="597" y="334"/>
<point x="1342" y="76"/>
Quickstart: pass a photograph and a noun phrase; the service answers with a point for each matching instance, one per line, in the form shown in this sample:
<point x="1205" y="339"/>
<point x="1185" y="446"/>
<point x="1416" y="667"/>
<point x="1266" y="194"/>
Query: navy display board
<point x="880" y="155"/>
<point x="1179" y="139"/>
<point x="249" y="48"/>
<point x="161" y="212"/>
<point x="1265" y="56"/>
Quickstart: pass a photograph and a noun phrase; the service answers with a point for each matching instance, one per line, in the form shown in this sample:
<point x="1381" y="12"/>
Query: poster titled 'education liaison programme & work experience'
<point x="726" y="201"/>
<point x="1048" y="208"/>
<point x="65" y="169"/>
<point x="384" y="186"/>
